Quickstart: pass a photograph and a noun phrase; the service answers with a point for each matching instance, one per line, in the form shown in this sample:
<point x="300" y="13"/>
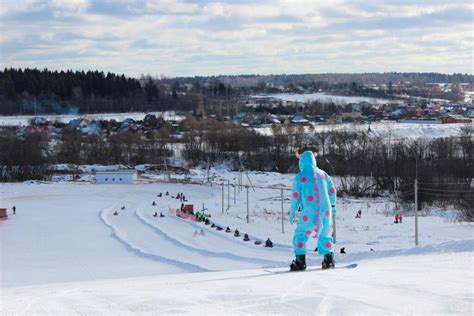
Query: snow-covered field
<point x="390" y="130"/>
<point x="23" y="120"/>
<point x="64" y="252"/>
<point x="322" y="97"/>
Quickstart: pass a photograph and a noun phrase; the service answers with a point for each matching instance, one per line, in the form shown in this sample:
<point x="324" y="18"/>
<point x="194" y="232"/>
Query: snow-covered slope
<point x="65" y="252"/>
<point x="418" y="284"/>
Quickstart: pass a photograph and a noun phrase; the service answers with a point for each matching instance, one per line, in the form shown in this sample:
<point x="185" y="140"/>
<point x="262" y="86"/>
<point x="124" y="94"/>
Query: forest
<point x="33" y="91"/>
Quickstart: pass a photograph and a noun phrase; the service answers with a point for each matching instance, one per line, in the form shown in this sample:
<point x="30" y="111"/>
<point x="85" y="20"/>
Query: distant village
<point x="256" y="111"/>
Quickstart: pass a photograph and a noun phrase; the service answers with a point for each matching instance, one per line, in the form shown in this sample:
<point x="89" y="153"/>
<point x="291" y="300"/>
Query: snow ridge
<point x="144" y="253"/>
<point x="205" y="252"/>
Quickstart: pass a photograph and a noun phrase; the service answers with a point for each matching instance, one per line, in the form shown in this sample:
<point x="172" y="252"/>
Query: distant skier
<point x="155" y="215"/>
<point x="123" y="207"/>
<point x="14" y="209"/>
<point x="207" y="221"/>
<point x="154" y="203"/>
<point x="343" y="250"/>
<point x="115" y="213"/>
<point x="167" y="193"/>
<point x="227" y="230"/>
<point x="159" y="195"/>
<point x="359" y="214"/>
<point x="161" y="215"/>
<point x="313" y="192"/>
<point x="246" y="237"/>
<point x="236" y="233"/>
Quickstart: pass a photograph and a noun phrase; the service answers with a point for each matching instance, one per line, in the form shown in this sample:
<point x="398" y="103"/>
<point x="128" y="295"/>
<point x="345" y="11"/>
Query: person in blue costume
<point x="314" y="195"/>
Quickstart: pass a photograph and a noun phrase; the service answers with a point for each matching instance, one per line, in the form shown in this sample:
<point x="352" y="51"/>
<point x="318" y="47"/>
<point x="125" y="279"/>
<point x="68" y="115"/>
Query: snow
<point x="388" y="130"/>
<point x="322" y="97"/>
<point x="420" y="284"/>
<point x="23" y="120"/>
<point x="64" y="252"/>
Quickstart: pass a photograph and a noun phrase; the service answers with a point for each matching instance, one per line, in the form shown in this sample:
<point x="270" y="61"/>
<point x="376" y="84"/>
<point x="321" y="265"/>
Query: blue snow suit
<point x="315" y="195"/>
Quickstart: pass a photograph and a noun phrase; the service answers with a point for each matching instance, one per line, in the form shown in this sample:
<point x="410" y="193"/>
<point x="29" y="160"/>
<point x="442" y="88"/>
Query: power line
<point x="439" y="190"/>
<point x="446" y="183"/>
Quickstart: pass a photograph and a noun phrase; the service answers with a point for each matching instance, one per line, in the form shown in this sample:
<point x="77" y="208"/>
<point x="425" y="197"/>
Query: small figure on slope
<point x="227" y="230"/>
<point x="115" y="213"/>
<point x="161" y="215"/>
<point x="359" y="214"/>
<point x="246" y="237"/>
<point x="154" y="203"/>
<point x="236" y="233"/>
<point x="14" y="209"/>
<point x="268" y="243"/>
<point x="155" y="215"/>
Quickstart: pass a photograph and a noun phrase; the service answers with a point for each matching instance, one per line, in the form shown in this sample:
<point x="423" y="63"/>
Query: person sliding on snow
<point x="314" y="193"/>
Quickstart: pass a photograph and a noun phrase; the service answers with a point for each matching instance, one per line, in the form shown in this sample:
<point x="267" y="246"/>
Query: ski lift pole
<point x="222" y="198"/>
<point x="282" y="213"/>
<point x="248" y="213"/>
<point x="235" y="192"/>
<point x="228" y="194"/>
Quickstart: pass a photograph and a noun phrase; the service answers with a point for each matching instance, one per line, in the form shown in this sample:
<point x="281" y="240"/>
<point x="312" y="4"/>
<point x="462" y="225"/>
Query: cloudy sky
<point x="183" y="38"/>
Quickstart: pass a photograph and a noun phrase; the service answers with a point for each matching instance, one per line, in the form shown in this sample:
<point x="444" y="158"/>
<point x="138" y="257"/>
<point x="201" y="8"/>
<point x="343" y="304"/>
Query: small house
<point x="125" y="176"/>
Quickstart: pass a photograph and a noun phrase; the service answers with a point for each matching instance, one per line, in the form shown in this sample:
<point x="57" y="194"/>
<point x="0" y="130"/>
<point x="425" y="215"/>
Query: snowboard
<point x="312" y="268"/>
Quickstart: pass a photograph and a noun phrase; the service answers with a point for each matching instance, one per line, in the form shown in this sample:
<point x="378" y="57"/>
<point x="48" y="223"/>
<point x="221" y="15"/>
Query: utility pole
<point x="371" y="184"/>
<point x="416" y="201"/>
<point x="282" y="213"/>
<point x="248" y="214"/>
<point x="416" y="212"/>
<point x="334" y="228"/>
<point x="222" y="198"/>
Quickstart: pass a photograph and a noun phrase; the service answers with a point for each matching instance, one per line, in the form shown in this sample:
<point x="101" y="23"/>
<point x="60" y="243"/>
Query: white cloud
<point x="181" y="38"/>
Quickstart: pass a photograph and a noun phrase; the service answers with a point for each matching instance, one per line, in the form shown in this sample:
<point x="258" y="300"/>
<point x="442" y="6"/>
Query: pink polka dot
<point x="328" y="245"/>
<point x="310" y="198"/>
<point x="300" y="245"/>
<point x="327" y="213"/>
<point x="303" y="179"/>
<point x="323" y="177"/>
<point x="333" y="190"/>
<point x="295" y="195"/>
<point x="316" y="189"/>
<point x="305" y="218"/>
<point x="317" y="196"/>
<point x="316" y="229"/>
<point x="308" y="232"/>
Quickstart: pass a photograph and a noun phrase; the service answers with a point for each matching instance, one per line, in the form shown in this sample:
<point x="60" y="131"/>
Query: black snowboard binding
<point x="299" y="264"/>
<point x="328" y="262"/>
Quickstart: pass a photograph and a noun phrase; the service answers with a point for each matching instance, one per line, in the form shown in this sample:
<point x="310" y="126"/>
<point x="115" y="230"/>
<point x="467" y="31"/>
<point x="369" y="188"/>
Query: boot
<point x="328" y="262"/>
<point x="299" y="263"/>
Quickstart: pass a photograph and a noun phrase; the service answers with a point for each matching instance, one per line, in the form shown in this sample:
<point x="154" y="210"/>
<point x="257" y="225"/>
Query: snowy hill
<point x="64" y="252"/>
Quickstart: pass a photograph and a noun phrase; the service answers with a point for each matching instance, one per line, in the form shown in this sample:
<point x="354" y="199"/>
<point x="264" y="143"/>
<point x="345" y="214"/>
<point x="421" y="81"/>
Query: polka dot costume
<point x="314" y="195"/>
